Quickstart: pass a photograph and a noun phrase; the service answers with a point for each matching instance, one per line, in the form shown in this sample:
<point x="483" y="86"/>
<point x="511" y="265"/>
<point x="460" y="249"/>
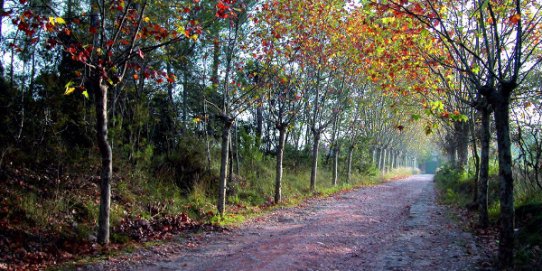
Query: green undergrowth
<point x="457" y="188"/>
<point x="51" y="211"/>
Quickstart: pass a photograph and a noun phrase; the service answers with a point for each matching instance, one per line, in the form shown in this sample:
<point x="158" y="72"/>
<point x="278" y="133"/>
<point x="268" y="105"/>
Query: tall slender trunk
<point x="451" y="150"/>
<point x="216" y="62"/>
<point x="483" y="180"/>
<point x="336" y="148"/>
<point x="185" y="97"/>
<point x="374" y="156"/>
<point x="380" y="156"/>
<point x="501" y="103"/>
<point x="384" y="160"/>
<point x="335" y="165"/>
<point x="349" y="163"/>
<point x="462" y="143"/>
<point x="236" y="153"/>
<point x="224" y="161"/>
<point x="280" y="157"/>
<point x="393" y="159"/>
<point x="1" y="36"/>
<point x="314" y="169"/>
<point x="231" y="160"/>
<point x="207" y="141"/>
<point x="100" y="89"/>
<point x="476" y="161"/>
<point x="259" y="124"/>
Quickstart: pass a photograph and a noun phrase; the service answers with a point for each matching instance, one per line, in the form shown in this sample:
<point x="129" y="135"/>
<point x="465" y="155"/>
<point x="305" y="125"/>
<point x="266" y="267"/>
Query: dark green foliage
<point x="185" y="165"/>
<point x="529" y="222"/>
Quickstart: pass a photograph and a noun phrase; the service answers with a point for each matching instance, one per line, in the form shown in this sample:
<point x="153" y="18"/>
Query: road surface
<point x="393" y="226"/>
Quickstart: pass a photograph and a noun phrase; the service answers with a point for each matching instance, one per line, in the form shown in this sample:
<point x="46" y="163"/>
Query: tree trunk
<point x="349" y="163"/>
<point x="335" y="165"/>
<point x="259" y="124"/>
<point x="100" y="89"/>
<point x="484" y="168"/>
<point x="1" y="36"/>
<point x="314" y="169"/>
<point x="216" y="62"/>
<point x="185" y="97"/>
<point x="451" y="150"/>
<point x="374" y="157"/>
<point x="476" y="162"/>
<point x="501" y="102"/>
<point x="280" y="156"/>
<point x="380" y="156"/>
<point x="393" y="159"/>
<point x="462" y="141"/>
<point x="236" y="153"/>
<point x="207" y="130"/>
<point x="224" y="161"/>
<point x="384" y="161"/>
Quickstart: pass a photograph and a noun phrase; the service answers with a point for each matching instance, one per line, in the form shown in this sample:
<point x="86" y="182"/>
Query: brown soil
<point x="394" y="226"/>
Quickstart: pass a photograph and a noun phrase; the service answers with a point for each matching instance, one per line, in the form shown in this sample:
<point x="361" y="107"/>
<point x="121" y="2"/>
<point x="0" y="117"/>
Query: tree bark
<point x="380" y="155"/>
<point x="349" y="163"/>
<point x="501" y="102"/>
<point x="259" y="124"/>
<point x="462" y="141"/>
<point x="476" y="161"/>
<point x="224" y="161"/>
<point x="1" y="36"/>
<point x="100" y="89"/>
<point x="280" y="157"/>
<point x="374" y="157"/>
<point x="314" y="169"/>
<point x="393" y="159"/>
<point x="484" y="167"/>
<point x="451" y="150"/>
<point x="335" y="165"/>
<point x="384" y="161"/>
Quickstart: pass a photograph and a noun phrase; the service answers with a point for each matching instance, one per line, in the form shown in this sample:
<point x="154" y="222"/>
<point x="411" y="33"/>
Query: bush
<point x="185" y="166"/>
<point x="456" y="186"/>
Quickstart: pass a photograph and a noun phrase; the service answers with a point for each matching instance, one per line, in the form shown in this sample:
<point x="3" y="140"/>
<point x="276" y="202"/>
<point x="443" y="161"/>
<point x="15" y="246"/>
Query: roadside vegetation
<point x="457" y="188"/>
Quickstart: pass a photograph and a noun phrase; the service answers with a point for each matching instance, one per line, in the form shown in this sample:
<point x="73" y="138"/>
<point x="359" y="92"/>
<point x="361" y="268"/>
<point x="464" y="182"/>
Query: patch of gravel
<point x="394" y="226"/>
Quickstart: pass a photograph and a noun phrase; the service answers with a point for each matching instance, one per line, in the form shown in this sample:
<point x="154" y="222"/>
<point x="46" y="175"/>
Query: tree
<point x="506" y="31"/>
<point x="107" y="44"/>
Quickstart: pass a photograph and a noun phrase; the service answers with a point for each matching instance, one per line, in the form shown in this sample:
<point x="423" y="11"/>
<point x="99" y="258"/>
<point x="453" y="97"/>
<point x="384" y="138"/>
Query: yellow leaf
<point x="146" y="19"/>
<point x="194" y="37"/>
<point x="85" y="93"/>
<point x="59" y="20"/>
<point x="69" y="90"/>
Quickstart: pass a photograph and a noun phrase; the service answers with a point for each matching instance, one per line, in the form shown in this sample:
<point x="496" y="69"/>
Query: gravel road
<point x="393" y="226"/>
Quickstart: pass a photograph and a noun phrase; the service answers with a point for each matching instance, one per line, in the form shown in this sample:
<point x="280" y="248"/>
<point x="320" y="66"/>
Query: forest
<point x="128" y="121"/>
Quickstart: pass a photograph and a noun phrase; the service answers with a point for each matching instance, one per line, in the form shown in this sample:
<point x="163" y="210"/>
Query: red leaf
<point x="514" y="18"/>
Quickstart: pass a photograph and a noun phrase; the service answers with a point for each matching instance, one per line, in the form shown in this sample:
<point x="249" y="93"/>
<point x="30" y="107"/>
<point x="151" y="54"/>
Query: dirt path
<point x="393" y="226"/>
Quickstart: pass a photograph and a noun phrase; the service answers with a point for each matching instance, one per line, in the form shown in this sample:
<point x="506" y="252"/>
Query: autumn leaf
<point x="514" y="19"/>
<point x="69" y="88"/>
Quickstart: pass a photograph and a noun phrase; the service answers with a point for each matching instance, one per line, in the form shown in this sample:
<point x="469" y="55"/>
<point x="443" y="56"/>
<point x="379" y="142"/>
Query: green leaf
<point x="85" y="93"/>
